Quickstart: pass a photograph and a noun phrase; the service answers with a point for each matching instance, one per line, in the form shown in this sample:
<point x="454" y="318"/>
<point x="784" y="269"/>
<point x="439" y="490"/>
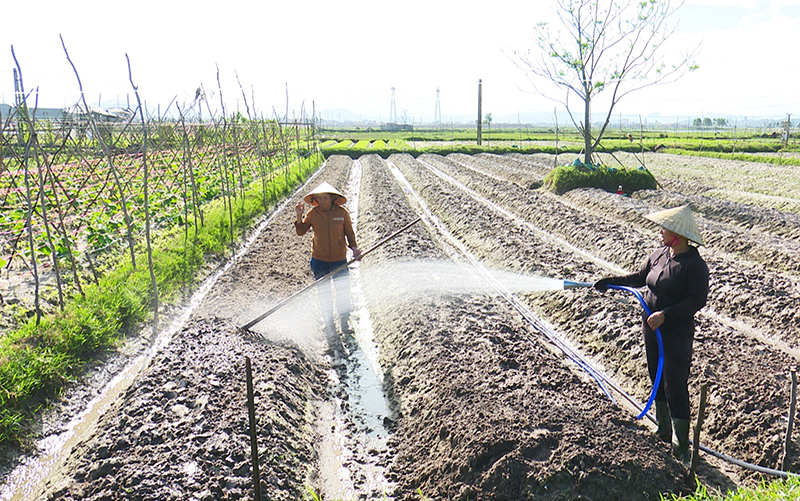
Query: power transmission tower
<point x="437" y="115"/>
<point x="785" y="135"/>
<point x="392" y="110"/>
<point x="480" y="114"/>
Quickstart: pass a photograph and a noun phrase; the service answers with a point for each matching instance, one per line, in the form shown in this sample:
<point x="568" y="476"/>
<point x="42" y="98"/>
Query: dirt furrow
<point x="486" y="412"/>
<point x="748" y="377"/>
<point x="483" y="408"/>
<point x="757" y="294"/>
<point x="181" y="430"/>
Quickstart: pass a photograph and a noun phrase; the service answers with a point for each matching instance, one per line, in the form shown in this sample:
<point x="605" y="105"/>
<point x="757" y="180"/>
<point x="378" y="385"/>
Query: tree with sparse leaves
<point x="605" y="46"/>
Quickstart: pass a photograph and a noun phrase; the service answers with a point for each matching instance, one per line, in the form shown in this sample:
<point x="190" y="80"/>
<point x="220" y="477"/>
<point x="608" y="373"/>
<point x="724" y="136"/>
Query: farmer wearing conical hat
<point x="677" y="287"/>
<point x="333" y="234"/>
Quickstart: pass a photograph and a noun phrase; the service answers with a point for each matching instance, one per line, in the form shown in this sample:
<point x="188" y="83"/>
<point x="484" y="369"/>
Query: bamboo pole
<point x="284" y="149"/>
<point x="153" y="283"/>
<point x="226" y="186"/>
<point x="257" y="140"/>
<point x="188" y="168"/>
<point x="29" y="208"/>
<point x="63" y="225"/>
<point x="109" y="158"/>
<point x="34" y="144"/>
<point x="46" y="221"/>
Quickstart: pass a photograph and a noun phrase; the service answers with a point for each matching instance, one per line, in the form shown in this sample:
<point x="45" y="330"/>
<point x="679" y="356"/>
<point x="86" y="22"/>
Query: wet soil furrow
<point x="749" y="397"/>
<point x="486" y="412"/>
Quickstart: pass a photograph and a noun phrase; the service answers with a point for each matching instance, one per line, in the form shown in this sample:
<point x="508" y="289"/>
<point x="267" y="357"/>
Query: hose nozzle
<point x="569" y="284"/>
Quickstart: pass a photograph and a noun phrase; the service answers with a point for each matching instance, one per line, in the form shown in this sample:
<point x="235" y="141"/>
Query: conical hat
<point x="679" y="220"/>
<point x="325" y="188"/>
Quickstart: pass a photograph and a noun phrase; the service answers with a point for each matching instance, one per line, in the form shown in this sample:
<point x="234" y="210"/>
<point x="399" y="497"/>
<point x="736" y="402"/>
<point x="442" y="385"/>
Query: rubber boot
<point x="681" y="449"/>
<point x="664" y="423"/>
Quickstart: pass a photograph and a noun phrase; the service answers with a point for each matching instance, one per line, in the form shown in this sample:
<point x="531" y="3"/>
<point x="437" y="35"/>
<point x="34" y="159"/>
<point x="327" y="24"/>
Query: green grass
<point x="721" y="140"/>
<point x="744" y="157"/>
<point x="778" y="490"/>
<point x="568" y="177"/>
<point x="364" y="147"/>
<point x="37" y="360"/>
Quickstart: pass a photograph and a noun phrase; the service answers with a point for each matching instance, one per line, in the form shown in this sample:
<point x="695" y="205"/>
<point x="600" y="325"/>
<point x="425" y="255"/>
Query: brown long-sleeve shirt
<point x="333" y="233"/>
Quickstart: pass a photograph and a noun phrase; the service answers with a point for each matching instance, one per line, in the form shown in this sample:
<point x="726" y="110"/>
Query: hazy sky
<point x="350" y="54"/>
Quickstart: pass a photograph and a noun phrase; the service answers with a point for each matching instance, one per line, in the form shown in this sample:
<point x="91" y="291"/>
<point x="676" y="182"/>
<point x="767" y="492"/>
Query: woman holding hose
<point x="333" y="234"/>
<point x="677" y="287"/>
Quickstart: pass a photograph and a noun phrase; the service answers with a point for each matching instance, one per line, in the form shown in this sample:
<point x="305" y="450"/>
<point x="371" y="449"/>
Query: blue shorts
<point x="322" y="268"/>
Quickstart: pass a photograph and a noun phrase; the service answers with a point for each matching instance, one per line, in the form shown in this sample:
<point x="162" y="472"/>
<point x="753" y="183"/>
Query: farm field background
<point x="476" y="397"/>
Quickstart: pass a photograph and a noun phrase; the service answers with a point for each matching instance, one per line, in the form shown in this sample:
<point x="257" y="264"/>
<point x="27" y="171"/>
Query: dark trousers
<point x="674" y="387"/>
<point x="341" y="284"/>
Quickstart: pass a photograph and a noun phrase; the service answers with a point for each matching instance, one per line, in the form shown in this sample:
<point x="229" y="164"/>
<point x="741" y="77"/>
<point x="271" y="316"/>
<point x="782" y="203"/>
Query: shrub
<point x="568" y="177"/>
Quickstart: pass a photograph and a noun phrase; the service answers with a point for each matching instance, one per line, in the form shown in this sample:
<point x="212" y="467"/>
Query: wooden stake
<point x="700" y="417"/>
<point x="251" y="407"/>
<point x="792" y="408"/>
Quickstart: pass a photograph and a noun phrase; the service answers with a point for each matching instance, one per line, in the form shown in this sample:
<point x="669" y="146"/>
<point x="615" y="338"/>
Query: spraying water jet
<point x="246" y="327"/>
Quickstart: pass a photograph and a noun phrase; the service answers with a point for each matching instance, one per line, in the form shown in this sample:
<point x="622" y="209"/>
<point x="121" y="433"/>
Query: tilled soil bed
<point x="482" y="405"/>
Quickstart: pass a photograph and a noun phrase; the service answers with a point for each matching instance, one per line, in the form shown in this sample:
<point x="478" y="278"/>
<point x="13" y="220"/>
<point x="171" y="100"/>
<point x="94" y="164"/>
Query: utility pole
<point x="786" y="130"/>
<point x="392" y="110"/>
<point x="480" y="114"/>
<point x="437" y="114"/>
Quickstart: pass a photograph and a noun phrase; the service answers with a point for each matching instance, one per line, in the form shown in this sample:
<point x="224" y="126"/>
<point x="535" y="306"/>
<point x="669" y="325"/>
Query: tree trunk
<point x="587" y="130"/>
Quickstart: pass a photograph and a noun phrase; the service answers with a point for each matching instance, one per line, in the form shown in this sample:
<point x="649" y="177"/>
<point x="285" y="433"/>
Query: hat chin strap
<point x="673" y="241"/>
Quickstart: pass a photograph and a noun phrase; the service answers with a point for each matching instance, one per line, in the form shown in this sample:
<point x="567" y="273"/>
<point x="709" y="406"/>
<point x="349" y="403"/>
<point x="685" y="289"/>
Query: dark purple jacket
<point x="676" y="286"/>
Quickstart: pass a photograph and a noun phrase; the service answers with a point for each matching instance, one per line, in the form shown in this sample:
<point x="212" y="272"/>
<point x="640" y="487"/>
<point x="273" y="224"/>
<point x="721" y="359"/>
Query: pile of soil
<point x="484" y="407"/>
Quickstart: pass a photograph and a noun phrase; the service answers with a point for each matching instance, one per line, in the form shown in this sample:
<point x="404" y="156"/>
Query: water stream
<point x="354" y="451"/>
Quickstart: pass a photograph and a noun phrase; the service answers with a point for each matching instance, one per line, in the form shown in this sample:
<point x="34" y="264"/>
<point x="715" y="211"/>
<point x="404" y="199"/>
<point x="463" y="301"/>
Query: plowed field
<point x="480" y="403"/>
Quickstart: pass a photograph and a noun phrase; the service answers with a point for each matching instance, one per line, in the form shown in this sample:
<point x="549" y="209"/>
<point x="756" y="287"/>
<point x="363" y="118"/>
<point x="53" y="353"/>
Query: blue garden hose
<point x="660" y="368"/>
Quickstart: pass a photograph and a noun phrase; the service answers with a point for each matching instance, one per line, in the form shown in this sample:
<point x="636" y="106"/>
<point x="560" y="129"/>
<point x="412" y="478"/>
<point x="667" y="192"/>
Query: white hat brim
<point x="325" y="188"/>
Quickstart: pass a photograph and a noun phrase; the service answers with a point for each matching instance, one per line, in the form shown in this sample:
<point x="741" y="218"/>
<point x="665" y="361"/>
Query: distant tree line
<point x="710" y="122"/>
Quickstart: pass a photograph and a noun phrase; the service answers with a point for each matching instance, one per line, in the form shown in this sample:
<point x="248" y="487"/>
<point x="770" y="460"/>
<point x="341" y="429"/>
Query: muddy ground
<point x="481" y="405"/>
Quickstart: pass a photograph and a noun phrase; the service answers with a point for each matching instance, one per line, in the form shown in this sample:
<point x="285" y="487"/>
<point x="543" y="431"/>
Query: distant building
<point x="392" y="127"/>
<point x="104" y="115"/>
<point x="73" y="113"/>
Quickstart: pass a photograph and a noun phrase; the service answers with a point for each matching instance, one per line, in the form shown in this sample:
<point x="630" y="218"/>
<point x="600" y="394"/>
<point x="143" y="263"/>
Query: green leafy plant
<point x="578" y="175"/>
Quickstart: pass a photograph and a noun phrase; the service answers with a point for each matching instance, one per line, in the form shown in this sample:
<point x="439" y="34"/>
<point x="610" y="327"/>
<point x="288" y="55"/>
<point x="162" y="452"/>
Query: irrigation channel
<point x="446" y="388"/>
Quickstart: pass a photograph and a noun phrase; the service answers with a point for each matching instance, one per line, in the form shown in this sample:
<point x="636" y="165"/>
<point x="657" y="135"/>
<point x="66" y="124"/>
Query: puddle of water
<point x="354" y="448"/>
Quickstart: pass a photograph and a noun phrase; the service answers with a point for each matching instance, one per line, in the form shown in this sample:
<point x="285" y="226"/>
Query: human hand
<point x="602" y="284"/>
<point x="298" y="209"/>
<point x="656" y="320"/>
<point x="356" y="252"/>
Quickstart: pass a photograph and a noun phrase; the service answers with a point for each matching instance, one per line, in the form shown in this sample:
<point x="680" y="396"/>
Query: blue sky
<point x="348" y="55"/>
